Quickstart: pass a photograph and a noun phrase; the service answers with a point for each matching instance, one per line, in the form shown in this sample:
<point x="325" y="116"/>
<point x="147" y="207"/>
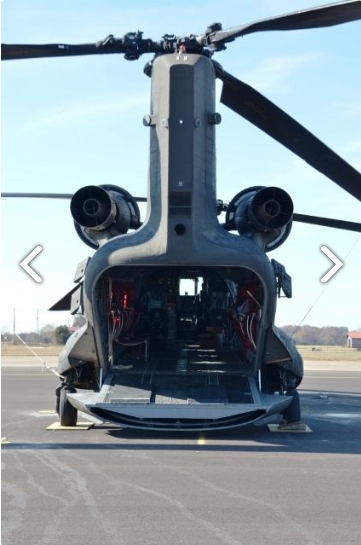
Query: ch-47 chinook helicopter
<point x="149" y="356"/>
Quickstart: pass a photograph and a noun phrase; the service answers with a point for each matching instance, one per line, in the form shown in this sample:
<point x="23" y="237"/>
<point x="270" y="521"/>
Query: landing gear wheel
<point x="293" y="412"/>
<point x="68" y="415"/>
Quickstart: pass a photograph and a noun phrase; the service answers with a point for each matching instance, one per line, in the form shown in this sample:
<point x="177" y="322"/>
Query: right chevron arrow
<point x="337" y="263"/>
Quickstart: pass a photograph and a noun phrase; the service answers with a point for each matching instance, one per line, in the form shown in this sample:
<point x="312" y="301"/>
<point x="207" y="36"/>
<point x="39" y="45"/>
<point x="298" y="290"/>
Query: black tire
<point x="57" y="397"/>
<point x="293" y="412"/>
<point x="68" y="415"/>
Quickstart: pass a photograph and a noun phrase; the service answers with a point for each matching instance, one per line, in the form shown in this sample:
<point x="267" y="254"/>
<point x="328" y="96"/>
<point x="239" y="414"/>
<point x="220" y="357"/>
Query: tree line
<point x="306" y="334"/>
<point x="49" y="334"/>
<point x="311" y="335"/>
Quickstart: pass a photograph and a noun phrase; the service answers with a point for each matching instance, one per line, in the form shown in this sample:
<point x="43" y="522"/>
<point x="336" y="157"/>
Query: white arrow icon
<point x="337" y="263"/>
<point x="25" y="263"/>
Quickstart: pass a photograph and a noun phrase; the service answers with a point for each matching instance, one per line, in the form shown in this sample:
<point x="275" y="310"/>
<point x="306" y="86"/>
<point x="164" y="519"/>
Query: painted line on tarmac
<point x="24" y="375"/>
<point x="334" y="374"/>
<point x="325" y="394"/>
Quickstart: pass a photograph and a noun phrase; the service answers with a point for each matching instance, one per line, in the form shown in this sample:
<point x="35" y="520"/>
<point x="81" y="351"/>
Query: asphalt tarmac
<point x="242" y="487"/>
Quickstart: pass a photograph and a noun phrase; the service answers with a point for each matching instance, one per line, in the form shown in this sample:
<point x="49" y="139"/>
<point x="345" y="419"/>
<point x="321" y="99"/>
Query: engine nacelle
<point x="102" y="212"/>
<point x="263" y="213"/>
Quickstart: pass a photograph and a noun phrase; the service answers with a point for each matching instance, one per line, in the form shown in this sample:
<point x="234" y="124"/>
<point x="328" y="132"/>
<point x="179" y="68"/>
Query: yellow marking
<point x="201" y="439"/>
<point x="4" y="441"/>
<point x="47" y="411"/>
<point x="274" y="428"/>
<point x="80" y="426"/>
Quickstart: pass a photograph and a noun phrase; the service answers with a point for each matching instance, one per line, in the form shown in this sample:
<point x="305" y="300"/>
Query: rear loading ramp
<point x="181" y="416"/>
<point x="198" y="390"/>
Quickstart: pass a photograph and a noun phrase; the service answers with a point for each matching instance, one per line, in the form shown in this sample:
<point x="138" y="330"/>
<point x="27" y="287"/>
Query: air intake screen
<point x="180" y="202"/>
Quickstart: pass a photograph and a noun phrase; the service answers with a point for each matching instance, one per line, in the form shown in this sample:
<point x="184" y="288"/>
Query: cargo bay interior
<point x="181" y="335"/>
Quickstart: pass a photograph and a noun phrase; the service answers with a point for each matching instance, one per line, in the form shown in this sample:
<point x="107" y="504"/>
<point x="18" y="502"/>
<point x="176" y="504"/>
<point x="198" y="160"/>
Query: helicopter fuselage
<point x="165" y="358"/>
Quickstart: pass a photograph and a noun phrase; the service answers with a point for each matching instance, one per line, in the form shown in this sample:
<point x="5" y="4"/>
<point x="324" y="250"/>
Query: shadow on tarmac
<point x="335" y="421"/>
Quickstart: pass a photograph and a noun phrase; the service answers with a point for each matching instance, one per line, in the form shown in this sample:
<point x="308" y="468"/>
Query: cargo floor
<point x="187" y="374"/>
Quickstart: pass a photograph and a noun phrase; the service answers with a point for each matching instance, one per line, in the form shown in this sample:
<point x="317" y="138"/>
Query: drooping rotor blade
<point x="321" y="16"/>
<point x="52" y="196"/>
<point x="328" y="222"/>
<point x="65" y="302"/>
<point x="268" y="117"/>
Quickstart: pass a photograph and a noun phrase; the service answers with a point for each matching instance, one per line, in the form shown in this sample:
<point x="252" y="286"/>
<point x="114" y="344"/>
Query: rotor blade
<point x="328" y="222"/>
<point x="52" y="196"/>
<point x="132" y="45"/>
<point x="321" y="16"/>
<point x="65" y="302"/>
<point x="315" y="220"/>
<point x="38" y="195"/>
<point x="268" y="117"/>
<point x="23" y="51"/>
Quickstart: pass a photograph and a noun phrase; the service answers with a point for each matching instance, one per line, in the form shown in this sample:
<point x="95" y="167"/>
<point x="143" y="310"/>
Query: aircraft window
<point x="190" y="286"/>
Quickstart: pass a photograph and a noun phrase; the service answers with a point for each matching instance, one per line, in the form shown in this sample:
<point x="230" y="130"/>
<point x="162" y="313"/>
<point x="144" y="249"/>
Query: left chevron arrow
<point x="25" y="263"/>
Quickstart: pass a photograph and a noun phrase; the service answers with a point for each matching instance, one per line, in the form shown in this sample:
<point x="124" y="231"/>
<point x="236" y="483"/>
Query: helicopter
<point x="149" y="356"/>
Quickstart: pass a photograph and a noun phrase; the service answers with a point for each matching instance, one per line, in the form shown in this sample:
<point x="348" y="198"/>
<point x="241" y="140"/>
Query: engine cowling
<point x="102" y="212"/>
<point x="262" y="213"/>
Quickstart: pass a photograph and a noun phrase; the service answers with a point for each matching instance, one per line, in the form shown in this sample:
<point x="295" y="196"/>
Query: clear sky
<point x="71" y="122"/>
